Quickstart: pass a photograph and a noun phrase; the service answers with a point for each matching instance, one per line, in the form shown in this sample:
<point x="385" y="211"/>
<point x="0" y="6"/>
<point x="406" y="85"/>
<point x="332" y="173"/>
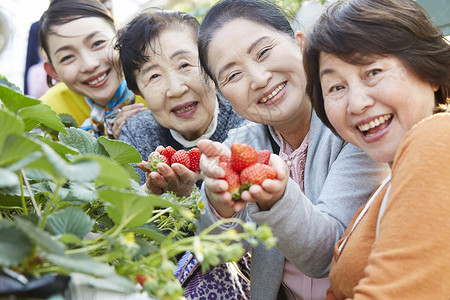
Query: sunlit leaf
<point x="8" y="178"/>
<point x="17" y="147"/>
<point x="129" y="209"/>
<point x="120" y="151"/>
<point x="14" y="101"/>
<point x="9" y="124"/>
<point x="42" y="114"/>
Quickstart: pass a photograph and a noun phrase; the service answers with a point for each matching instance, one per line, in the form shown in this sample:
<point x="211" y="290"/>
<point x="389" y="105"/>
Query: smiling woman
<point x="77" y="39"/>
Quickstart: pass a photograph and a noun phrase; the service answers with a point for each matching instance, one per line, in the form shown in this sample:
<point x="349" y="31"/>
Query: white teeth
<point x="97" y="80"/>
<point x="374" y="123"/>
<point x="271" y="95"/>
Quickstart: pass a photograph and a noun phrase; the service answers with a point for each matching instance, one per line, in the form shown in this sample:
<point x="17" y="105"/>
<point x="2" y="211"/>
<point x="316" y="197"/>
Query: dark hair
<point x="61" y="12"/>
<point x="263" y="12"/>
<point x="142" y="32"/>
<point x="378" y="28"/>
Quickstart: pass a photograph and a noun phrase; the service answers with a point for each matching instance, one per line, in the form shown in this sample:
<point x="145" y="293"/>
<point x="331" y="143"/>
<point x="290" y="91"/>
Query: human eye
<point x="373" y="72"/>
<point x="66" y="58"/>
<point x="98" y="43"/>
<point x="264" y="52"/>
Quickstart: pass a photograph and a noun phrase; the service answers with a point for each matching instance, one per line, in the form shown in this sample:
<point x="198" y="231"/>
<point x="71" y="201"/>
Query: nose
<point x="359" y="99"/>
<point x="89" y="62"/>
<point x="176" y="86"/>
<point x="259" y="76"/>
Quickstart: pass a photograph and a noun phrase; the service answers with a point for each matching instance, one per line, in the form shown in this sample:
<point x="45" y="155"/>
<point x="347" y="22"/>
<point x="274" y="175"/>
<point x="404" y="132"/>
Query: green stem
<point x="22" y="196"/>
<point x="53" y="200"/>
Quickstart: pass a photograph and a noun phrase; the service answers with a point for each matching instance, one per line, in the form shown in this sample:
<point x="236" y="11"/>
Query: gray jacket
<point x="339" y="178"/>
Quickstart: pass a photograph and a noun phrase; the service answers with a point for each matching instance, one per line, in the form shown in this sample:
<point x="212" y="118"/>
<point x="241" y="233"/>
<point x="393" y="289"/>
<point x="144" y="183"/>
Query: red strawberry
<point x="242" y="156"/>
<point x="257" y="173"/>
<point x="264" y="156"/>
<point x="181" y="157"/>
<point x="168" y="152"/>
<point x="194" y="157"/>
<point x="141" y="279"/>
<point x="232" y="178"/>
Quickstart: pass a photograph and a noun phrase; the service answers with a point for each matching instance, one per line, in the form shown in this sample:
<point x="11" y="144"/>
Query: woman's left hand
<point x="271" y="190"/>
<point x="176" y="178"/>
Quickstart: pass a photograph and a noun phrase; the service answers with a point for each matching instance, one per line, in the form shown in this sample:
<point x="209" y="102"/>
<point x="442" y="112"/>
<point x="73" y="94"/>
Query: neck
<point x="295" y="130"/>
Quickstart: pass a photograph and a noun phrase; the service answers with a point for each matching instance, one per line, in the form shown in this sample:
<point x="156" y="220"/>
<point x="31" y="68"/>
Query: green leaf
<point x="8" y="179"/>
<point x="10" y="201"/>
<point x="9" y="124"/>
<point x="80" y="170"/>
<point x="14" y="101"/>
<point x="111" y="173"/>
<point x="150" y="231"/>
<point x="120" y="151"/>
<point x="22" y="163"/>
<point x="42" y="114"/>
<point x="5" y="82"/>
<point x="68" y="120"/>
<point x="81" y="263"/>
<point x="70" y="239"/>
<point x="129" y="209"/>
<point x="80" y="192"/>
<point x="39" y="236"/>
<point x="60" y="148"/>
<point x="14" y="245"/>
<point x="70" y="220"/>
<point x="17" y="147"/>
<point x="83" y="141"/>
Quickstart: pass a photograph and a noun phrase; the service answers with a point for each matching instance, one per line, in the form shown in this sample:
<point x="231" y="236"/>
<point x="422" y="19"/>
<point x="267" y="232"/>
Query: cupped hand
<point x="216" y="188"/>
<point x="125" y="112"/>
<point x="176" y="178"/>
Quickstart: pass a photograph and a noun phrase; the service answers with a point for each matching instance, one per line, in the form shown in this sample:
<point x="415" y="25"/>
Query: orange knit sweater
<point x="410" y="258"/>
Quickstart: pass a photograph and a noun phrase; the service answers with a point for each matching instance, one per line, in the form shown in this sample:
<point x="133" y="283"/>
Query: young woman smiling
<point x="77" y="39"/>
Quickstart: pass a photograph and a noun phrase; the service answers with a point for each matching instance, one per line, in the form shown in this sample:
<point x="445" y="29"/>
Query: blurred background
<point x="20" y="14"/>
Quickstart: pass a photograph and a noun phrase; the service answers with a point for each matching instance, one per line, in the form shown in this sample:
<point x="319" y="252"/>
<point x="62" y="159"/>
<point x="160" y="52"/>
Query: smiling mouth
<point x="273" y="94"/>
<point x="185" y="108"/>
<point x="99" y="79"/>
<point x="375" y="125"/>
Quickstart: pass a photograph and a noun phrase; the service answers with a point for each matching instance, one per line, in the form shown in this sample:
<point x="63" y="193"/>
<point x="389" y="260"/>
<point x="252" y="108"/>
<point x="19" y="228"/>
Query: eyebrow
<point x="87" y="38"/>
<point x="325" y="72"/>
<point x="249" y="50"/>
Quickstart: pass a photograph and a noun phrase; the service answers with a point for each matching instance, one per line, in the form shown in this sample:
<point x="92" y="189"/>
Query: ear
<point x="50" y="70"/>
<point x="300" y="38"/>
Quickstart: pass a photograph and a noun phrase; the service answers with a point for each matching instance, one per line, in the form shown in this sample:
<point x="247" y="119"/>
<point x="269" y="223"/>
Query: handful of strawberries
<point x="190" y="159"/>
<point x="245" y="167"/>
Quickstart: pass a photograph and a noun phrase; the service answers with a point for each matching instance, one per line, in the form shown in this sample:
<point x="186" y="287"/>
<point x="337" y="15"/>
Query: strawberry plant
<point x="71" y="210"/>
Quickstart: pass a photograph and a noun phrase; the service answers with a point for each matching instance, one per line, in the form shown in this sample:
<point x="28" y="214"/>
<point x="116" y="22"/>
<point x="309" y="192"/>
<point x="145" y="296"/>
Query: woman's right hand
<point x="216" y="188"/>
<point x="126" y="112"/>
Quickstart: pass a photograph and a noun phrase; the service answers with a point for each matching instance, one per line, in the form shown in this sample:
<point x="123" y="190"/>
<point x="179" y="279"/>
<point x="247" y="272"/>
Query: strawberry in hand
<point x="194" y="157"/>
<point x="242" y="156"/>
<point x="232" y="178"/>
<point x="257" y="173"/>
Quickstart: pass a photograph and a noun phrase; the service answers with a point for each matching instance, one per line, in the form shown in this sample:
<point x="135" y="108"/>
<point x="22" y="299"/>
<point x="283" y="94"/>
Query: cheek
<point x="336" y="113"/>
